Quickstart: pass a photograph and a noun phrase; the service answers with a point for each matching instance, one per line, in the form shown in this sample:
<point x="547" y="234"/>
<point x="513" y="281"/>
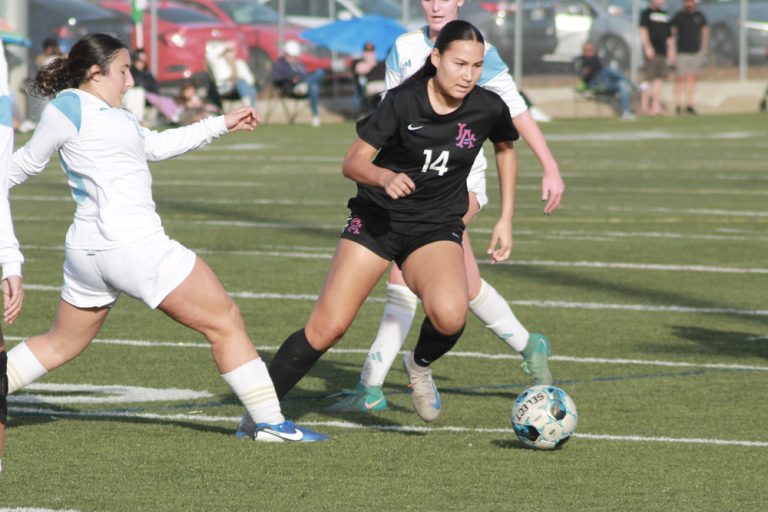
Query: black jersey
<point x="436" y="151"/>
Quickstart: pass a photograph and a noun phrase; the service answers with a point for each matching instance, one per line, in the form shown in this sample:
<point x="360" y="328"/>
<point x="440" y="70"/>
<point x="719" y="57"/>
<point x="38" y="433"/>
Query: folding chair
<point x="293" y="104"/>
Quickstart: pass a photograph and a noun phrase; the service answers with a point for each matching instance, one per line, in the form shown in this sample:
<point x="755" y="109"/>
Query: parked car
<point x="306" y="13"/>
<point x="69" y="20"/>
<point x="185" y="36"/>
<point x="258" y="25"/>
<point x="496" y="20"/>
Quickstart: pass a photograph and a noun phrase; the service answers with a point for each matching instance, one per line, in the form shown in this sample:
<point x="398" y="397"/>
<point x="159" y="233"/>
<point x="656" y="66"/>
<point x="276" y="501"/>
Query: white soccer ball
<point x="544" y="417"/>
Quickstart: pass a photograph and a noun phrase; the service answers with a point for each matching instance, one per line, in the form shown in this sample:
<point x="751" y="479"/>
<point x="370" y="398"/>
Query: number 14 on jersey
<point x="440" y="164"/>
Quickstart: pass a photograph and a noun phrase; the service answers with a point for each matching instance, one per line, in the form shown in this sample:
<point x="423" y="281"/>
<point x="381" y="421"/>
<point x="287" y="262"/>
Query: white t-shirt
<point x="104" y="153"/>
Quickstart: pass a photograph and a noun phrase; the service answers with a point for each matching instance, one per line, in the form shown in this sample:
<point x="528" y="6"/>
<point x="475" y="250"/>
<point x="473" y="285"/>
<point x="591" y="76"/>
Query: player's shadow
<point x="718" y="342"/>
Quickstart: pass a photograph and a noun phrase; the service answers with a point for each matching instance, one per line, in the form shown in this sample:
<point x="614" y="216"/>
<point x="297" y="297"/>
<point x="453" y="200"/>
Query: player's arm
<point x="500" y="245"/>
<point x="170" y="143"/>
<point x="50" y="134"/>
<point x="358" y="167"/>
<point x="496" y="78"/>
<point x="646" y="41"/>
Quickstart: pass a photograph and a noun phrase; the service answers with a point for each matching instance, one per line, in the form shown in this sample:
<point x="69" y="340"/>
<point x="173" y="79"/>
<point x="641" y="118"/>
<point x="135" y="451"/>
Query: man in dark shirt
<point x="690" y="27"/>
<point x="659" y="52"/>
<point x="604" y="79"/>
<point x="293" y="78"/>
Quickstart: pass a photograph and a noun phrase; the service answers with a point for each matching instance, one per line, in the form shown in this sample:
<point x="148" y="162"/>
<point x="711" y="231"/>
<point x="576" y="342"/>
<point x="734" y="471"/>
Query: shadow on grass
<point x="719" y="342"/>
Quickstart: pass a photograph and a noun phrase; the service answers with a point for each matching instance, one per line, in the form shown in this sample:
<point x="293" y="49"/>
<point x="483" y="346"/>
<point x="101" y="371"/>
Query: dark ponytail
<point x="72" y="71"/>
<point x="457" y="30"/>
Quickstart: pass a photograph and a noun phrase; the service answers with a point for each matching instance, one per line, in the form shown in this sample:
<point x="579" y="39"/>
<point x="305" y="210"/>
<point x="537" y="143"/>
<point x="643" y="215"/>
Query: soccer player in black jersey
<point x="411" y="197"/>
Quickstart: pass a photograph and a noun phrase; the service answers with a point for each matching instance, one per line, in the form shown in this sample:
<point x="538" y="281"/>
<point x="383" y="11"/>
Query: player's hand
<point x="242" y="118"/>
<point x="13" y="298"/>
<point x="398" y="185"/>
<point x="650" y="52"/>
<point x="501" y="242"/>
<point x="552" y="190"/>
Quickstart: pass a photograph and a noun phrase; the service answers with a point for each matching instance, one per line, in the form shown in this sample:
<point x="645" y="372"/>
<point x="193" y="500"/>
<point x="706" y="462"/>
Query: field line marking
<point x="389" y="428"/>
<point x="469" y="355"/>
<point x="644" y="308"/>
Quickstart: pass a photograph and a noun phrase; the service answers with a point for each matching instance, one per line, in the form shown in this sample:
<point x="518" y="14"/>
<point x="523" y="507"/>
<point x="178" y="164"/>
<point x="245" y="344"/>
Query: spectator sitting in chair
<point x="369" y="80"/>
<point x="146" y="91"/>
<point x="604" y="79"/>
<point x="291" y="77"/>
<point x="233" y="76"/>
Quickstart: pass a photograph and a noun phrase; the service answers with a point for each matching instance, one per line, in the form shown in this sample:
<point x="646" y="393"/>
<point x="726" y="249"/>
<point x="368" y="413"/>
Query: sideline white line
<point x="388" y="428"/>
<point x="468" y="355"/>
<point x="643" y="308"/>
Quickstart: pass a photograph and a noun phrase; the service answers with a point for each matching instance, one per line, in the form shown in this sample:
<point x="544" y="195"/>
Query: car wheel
<point x="722" y="46"/>
<point x="614" y="52"/>
<point x="261" y="65"/>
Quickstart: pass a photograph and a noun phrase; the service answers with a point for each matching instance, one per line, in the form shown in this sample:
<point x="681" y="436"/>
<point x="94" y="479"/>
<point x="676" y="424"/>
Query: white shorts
<point x="148" y="269"/>
<point x="476" y="179"/>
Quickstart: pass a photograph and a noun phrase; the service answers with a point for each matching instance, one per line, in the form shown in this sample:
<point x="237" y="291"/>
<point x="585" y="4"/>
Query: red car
<point x="185" y="35"/>
<point x="259" y="26"/>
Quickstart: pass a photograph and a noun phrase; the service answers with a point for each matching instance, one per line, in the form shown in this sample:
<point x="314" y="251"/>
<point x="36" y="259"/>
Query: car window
<point x="183" y="15"/>
<point x="245" y="13"/>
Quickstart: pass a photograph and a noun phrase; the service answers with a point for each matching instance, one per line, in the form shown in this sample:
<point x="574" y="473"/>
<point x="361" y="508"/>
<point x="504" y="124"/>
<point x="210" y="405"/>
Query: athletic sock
<point x="23" y="367"/>
<point x="396" y="321"/>
<point x="491" y="308"/>
<point x="293" y="360"/>
<point x="252" y="385"/>
<point x="433" y="344"/>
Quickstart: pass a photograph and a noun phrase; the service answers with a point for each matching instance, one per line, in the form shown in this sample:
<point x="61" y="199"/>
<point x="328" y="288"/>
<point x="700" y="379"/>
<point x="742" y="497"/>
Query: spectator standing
<point x="292" y="78"/>
<point x="692" y="38"/>
<point x="659" y="52"/>
<point x="598" y="77"/>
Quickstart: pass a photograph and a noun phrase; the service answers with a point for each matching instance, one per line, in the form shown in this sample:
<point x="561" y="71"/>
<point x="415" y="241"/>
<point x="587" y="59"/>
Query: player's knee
<point x="324" y="336"/>
<point x="227" y="322"/>
<point x="449" y="318"/>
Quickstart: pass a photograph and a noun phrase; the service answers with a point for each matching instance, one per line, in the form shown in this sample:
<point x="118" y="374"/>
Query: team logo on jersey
<point x="354" y="225"/>
<point x="465" y="138"/>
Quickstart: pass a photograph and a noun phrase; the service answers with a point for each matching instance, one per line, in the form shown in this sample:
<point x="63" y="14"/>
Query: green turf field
<point x="650" y="280"/>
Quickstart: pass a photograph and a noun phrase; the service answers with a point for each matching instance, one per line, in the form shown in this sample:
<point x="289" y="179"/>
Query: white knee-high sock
<point x="396" y="321"/>
<point x="253" y="386"/>
<point x="23" y="367"/>
<point x="495" y="313"/>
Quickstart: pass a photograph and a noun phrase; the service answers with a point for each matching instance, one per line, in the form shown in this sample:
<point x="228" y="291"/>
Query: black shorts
<point x="396" y="243"/>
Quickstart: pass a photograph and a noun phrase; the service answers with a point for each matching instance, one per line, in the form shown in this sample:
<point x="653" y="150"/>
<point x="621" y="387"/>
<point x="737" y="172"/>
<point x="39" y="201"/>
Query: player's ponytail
<point x="457" y="30"/>
<point x="74" y="70"/>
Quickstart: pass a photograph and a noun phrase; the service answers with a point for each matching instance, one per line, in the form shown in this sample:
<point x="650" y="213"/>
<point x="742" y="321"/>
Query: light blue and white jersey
<point x="411" y="50"/>
<point x="10" y="256"/>
<point x="104" y="153"/>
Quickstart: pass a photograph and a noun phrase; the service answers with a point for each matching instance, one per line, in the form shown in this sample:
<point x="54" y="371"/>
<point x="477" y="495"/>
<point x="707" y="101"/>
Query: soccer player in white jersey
<point x="10" y="256"/>
<point x="407" y="56"/>
<point x="116" y="243"/>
